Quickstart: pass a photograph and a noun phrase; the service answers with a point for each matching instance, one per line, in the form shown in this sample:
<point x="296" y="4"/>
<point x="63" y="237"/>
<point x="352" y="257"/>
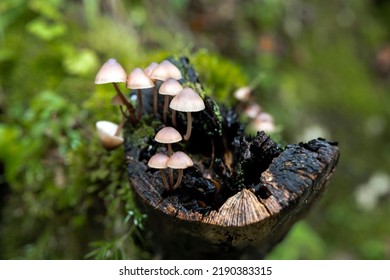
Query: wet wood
<point x="250" y="222"/>
<point x="239" y="208"/>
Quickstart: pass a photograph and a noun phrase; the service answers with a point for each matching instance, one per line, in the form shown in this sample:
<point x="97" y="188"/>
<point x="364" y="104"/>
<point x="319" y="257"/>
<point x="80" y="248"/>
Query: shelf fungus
<point x="227" y="207"/>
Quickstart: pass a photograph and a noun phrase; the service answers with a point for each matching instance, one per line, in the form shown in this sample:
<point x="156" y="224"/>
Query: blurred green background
<point x="321" y="68"/>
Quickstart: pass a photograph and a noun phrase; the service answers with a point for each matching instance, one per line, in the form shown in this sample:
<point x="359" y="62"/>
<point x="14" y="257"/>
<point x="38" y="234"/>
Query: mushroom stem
<point x="123" y="112"/>
<point x="189" y="126"/>
<point x="170" y="171"/>
<point x="170" y="152"/>
<point x="166" y="103"/>
<point x="155" y="100"/>
<point x="120" y="127"/>
<point x="179" y="177"/>
<point x="174" y="118"/>
<point x="129" y="107"/>
<point x="139" y="97"/>
<point x="164" y="178"/>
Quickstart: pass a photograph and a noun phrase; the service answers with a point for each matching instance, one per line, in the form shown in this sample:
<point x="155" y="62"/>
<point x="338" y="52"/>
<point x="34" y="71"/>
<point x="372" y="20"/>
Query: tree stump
<point x="241" y="197"/>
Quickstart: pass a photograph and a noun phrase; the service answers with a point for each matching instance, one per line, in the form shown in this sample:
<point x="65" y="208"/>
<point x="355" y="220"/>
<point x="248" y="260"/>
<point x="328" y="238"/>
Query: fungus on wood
<point x="242" y="194"/>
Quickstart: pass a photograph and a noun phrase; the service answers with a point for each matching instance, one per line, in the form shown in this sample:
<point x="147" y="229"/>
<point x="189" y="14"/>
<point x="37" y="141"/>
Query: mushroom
<point x="149" y="69"/>
<point x="252" y="110"/>
<point x="187" y="101"/>
<point x="109" y="134"/>
<point x="168" y="135"/>
<point x="180" y="161"/>
<point x="170" y="87"/>
<point x="138" y="80"/>
<point x="243" y="94"/>
<point x="112" y="72"/>
<point x="160" y="161"/>
<point x="166" y="70"/>
<point x="162" y="72"/>
<point x="263" y="122"/>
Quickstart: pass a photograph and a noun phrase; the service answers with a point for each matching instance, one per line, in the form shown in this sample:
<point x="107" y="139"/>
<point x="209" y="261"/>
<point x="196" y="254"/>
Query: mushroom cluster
<point x="165" y="79"/>
<point x="259" y="120"/>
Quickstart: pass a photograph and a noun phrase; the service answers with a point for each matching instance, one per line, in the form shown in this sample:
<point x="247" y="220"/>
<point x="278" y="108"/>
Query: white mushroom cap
<point x="187" y="101"/>
<point x="158" y="161"/>
<point x="149" y="69"/>
<point x="168" y="135"/>
<point x="264" y="117"/>
<point x="267" y="127"/>
<point x="252" y="111"/>
<point x="166" y="70"/>
<point x="243" y="93"/>
<point x="111" y="72"/>
<point x="138" y="79"/>
<point x="170" y="87"/>
<point x="263" y="122"/>
<point x="179" y="160"/>
<point x="106" y="131"/>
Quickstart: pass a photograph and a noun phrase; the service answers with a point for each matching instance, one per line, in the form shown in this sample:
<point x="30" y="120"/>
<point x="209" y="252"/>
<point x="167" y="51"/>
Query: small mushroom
<point x="138" y="80"/>
<point x="113" y="72"/>
<point x="160" y="161"/>
<point x="243" y="94"/>
<point x="180" y="161"/>
<point x="149" y="69"/>
<point x="187" y="101"/>
<point x="168" y="135"/>
<point x="252" y="110"/>
<point x="166" y="70"/>
<point x="263" y="122"/>
<point x="170" y="87"/>
<point x="163" y="72"/>
<point x="109" y="134"/>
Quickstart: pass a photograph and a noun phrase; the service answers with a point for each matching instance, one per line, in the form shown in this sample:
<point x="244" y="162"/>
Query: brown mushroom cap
<point x="149" y="69"/>
<point x="158" y="161"/>
<point x="168" y="135"/>
<point x="111" y="72"/>
<point x="166" y="70"/>
<point x="138" y="79"/>
<point x="170" y="87"/>
<point x="106" y="131"/>
<point x="187" y="101"/>
<point x="179" y="160"/>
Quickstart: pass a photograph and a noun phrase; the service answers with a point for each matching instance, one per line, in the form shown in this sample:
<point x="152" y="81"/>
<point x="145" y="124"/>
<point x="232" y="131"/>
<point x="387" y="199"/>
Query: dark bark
<point x="243" y="205"/>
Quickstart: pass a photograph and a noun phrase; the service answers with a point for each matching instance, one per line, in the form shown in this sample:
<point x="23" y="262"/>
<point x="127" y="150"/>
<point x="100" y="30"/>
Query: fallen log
<point x="243" y="193"/>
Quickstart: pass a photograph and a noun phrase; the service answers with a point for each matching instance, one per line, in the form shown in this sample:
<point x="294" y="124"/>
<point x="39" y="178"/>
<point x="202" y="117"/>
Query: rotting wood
<point x="261" y="197"/>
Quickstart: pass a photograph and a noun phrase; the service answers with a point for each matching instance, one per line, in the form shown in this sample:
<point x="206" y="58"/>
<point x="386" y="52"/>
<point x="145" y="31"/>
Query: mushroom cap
<point x="138" y="79"/>
<point x="116" y="100"/>
<point x="264" y="117"/>
<point x="187" y="101"/>
<point x="243" y="93"/>
<point x="168" y="135"/>
<point x="166" y="70"/>
<point x="170" y="87"/>
<point x="179" y="160"/>
<point x="111" y="72"/>
<point x="252" y="111"/>
<point x="106" y="131"/>
<point x="158" y="161"/>
<point x="149" y="69"/>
